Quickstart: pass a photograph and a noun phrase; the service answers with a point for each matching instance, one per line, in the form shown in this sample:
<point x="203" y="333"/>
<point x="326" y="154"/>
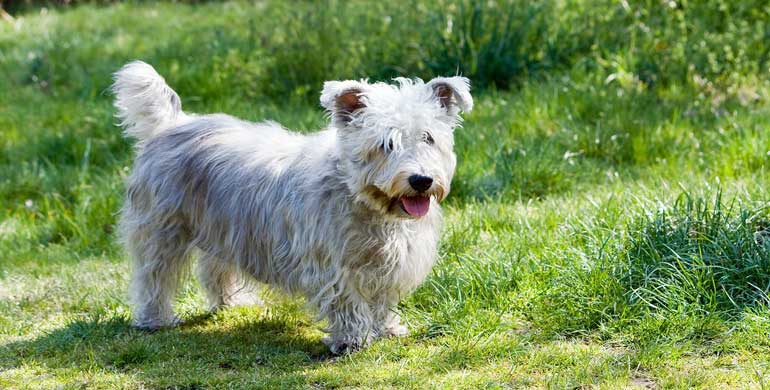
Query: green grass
<point x="608" y="226"/>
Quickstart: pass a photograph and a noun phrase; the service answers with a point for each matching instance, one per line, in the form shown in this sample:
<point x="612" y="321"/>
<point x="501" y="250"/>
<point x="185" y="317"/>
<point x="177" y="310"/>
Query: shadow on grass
<point x="272" y="349"/>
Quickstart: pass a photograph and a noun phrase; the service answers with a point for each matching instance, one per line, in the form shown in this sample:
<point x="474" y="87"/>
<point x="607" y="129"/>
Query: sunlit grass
<point x="607" y="227"/>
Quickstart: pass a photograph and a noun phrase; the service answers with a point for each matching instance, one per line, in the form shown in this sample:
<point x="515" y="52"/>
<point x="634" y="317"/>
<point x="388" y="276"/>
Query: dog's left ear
<point x="453" y="93"/>
<point x="344" y="99"/>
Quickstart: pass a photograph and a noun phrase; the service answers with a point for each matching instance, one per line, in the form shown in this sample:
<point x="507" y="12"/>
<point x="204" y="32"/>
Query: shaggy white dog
<point x="347" y="216"/>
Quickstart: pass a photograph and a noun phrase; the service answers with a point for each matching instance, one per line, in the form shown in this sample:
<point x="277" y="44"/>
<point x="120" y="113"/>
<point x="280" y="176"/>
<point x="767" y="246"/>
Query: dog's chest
<point x="393" y="260"/>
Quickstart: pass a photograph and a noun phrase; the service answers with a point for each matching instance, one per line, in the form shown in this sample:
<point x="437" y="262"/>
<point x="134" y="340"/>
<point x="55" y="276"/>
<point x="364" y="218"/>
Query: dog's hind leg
<point x="224" y="284"/>
<point x="160" y="254"/>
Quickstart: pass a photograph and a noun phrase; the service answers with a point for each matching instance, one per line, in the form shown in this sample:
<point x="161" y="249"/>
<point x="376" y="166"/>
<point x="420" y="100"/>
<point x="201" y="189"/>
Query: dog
<point x="348" y="216"/>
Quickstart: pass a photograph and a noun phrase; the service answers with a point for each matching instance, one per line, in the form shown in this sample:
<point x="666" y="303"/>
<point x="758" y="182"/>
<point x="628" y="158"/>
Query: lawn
<point x="608" y="226"/>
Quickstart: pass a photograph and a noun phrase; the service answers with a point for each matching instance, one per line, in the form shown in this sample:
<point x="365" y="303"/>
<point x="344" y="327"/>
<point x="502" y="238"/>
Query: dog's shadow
<point x="245" y="342"/>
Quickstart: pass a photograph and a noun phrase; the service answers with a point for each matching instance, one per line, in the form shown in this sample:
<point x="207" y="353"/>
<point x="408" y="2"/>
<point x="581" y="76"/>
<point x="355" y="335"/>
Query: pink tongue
<point x="416" y="206"/>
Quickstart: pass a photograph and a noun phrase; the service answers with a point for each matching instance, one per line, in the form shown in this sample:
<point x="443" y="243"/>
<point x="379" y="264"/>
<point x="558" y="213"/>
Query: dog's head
<point x="396" y="141"/>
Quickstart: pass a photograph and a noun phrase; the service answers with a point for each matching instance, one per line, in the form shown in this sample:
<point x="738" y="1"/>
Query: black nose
<point x="420" y="183"/>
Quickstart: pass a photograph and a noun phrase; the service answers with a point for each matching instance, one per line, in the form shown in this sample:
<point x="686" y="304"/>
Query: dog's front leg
<point x="350" y="324"/>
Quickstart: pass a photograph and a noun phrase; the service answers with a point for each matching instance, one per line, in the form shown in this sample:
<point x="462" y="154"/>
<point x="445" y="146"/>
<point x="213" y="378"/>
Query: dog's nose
<point x="420" y="183"/>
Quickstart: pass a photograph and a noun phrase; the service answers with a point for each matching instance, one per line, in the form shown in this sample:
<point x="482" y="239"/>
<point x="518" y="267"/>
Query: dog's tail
<point x="146" y="104"/>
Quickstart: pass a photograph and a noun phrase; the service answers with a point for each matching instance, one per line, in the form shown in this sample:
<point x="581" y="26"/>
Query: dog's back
<point x="221" y="182"/>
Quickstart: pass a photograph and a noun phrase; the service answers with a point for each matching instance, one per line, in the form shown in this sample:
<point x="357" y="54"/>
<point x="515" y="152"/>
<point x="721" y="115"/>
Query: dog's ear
<point x="344" y="99"/>
<point x="453" y="93"/>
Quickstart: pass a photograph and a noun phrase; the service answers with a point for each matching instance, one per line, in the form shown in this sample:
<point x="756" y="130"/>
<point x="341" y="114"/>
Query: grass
<point x="608" y="225"/>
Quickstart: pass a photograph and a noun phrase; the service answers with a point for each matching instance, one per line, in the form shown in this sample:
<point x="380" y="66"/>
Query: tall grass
<point x="690" y="263"/>
<point x="281" y="49"/>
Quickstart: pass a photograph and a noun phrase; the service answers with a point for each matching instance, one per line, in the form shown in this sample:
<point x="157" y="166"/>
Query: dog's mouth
<point x="416" y="206"/>
<point x="412" y="205"/>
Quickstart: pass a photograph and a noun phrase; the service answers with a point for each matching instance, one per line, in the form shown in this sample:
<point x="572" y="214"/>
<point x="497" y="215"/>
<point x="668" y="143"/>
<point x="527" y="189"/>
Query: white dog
<point x="348" y="216"/>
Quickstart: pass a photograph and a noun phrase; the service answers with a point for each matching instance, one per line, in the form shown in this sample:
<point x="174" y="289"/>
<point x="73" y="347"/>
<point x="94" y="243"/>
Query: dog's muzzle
<point x="417" y="205"/>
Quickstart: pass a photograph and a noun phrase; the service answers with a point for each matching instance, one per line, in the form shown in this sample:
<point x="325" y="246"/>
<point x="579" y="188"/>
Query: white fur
<point x="145" y="103"/>
<point x="318" y="215"/>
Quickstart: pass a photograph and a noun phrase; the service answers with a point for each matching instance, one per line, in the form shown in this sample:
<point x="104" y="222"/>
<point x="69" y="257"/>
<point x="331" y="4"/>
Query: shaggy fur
<point x="347" y="216"/>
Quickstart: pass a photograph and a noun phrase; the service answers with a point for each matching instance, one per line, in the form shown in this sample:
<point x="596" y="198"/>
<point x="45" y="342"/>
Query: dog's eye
<point x="428" y="138"/>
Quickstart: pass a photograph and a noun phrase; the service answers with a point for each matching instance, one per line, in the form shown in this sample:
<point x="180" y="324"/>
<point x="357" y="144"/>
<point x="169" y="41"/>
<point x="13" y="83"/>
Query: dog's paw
<point x="396" y="330"/>
<point x="237" y="300"/>
<point x="244" y="299"/>
<point x="152" y="325"/>
<point x="345" y="345"/>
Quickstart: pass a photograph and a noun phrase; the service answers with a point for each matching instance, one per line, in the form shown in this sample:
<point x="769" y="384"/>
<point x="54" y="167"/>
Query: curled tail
<point x="146" y="104"/>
